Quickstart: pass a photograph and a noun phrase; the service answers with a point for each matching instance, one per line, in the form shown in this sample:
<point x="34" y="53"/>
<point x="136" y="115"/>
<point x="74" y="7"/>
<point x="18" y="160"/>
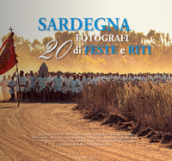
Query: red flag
<point x="8" y="57"/>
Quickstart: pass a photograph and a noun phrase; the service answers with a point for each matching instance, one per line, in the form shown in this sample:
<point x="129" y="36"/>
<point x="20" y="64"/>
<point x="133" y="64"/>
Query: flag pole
<point x="18" y="94"/>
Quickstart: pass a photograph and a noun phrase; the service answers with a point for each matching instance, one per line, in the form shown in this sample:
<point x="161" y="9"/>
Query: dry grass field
<point x="146" y="106"/>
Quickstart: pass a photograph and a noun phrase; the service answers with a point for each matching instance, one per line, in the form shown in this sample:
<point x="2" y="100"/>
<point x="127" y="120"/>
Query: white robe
<point x="32" y="80"/>
<point x="67" y="87"/>
<point x="12" y="84"/>
<point x="58" y="82"/>
<point x="42" y="83"/>
<point x="4" y="88"/>
<point x="74" y="86"/>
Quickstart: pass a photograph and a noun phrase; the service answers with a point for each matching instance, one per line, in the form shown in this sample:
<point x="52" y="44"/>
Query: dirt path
<point x="22" y="130"/>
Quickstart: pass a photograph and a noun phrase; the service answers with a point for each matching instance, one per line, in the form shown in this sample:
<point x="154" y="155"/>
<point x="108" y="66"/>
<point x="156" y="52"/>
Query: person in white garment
<point x="11" y="85"/>
<point x="50" y="81"/>
<point x="50" y="86"/>
<point x="4" y="87"/>
<point x="20" y="85"/>
<point x="58" y="82"/>
<point x="92" y="80"/>
<point x="164" y="78"/>
<point x="8" y="93"/>
<point x="86" y="80"/>
<point x="67" y="87"/>
<point x="27" y="78"/>
<point x="150" y="77"/>
<point x="81" y="84"/>
<point x="33" y="80"/>
<point x="74" y="87"/>
<point x="41" y="86"/>
<point x="143" y="78"/>
<point x="27" y="92"/>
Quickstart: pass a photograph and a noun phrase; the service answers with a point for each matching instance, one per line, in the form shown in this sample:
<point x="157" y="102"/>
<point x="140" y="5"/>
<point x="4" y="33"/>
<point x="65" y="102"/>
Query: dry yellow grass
<point x="145" y="103"/>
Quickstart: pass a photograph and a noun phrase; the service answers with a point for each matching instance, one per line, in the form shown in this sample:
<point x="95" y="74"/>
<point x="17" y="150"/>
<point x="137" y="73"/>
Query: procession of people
<point x="67" y="86"/>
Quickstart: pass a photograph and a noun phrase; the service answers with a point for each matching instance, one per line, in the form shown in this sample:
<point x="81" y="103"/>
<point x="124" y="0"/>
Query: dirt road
<point x="53" y="132"/>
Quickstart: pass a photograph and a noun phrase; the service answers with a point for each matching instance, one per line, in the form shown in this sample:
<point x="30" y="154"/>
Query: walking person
<point x="41" y="87"/>
<point x="20" y="85"/>
<point x="58" y="82"/>
<point x="4" y="87"/>
<point x="33" y="79"/>
<point x="11" y="85"/>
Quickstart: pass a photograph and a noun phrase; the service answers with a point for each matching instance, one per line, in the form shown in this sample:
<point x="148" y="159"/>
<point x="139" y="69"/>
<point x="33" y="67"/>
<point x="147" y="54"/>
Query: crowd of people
<point x="65" y="86"/>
